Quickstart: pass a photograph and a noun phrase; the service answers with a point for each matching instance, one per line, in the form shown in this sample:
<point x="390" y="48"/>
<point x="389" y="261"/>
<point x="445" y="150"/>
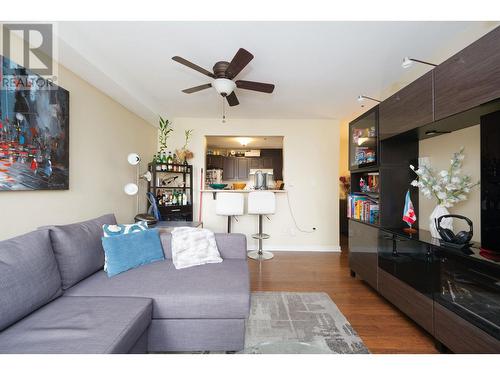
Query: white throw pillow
<point x="193" y="247"/>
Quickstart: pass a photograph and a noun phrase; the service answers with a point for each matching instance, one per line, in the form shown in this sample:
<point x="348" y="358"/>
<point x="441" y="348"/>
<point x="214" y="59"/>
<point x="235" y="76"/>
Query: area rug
<point x="287" y="322"/>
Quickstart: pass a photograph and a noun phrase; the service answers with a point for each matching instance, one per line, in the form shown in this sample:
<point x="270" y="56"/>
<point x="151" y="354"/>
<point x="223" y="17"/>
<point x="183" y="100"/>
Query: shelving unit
<point x="169" y="173"/>
<point x="363" y="203"/>
<point x="453" y="294"/>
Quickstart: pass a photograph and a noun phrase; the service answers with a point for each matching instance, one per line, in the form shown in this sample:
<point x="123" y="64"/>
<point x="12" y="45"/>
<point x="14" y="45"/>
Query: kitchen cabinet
<point x="469" y="78"/>
<point x="256" y="163"/>
<point x="269" y="159"/>
<point x="242" y="168"/>
<point x="409" y="108"/>
<point x="229" y="169"/>
<point x="235" y="168"/>
<point x="215" y="162"/>
<point x="363" y="251"/>
<point x="267" y="162"/>
<point x="273" y="158"/>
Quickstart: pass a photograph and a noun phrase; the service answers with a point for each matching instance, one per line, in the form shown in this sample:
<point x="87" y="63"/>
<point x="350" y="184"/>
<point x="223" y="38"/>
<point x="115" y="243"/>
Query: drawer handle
<point x="176" y="210"/>
<point x="386" y="237"/>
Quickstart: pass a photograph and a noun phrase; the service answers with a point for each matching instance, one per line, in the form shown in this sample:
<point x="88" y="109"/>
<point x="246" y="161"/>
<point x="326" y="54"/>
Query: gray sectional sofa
<point x="56" y="298"/>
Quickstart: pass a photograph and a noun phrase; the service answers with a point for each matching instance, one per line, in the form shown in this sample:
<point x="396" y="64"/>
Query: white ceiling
<point x="319" y="68"/>
<point x="251" y="142"/>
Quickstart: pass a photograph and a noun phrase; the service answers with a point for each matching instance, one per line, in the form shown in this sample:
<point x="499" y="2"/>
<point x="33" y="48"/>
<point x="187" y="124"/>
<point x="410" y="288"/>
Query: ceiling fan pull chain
<point x="223" y="111"/>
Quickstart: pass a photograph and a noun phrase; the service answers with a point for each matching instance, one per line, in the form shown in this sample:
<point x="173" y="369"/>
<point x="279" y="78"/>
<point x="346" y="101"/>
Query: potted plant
<point x="165" y="128"/>
<point x="184" y="154"/>
<point x="448" y="187"/>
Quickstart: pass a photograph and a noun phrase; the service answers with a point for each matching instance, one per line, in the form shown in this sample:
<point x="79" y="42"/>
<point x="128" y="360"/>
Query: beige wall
<point x="344" y="152"/>
<point x="440" y="150"/>
<point x="310" y="169"/>
<point x="102" y="133"/>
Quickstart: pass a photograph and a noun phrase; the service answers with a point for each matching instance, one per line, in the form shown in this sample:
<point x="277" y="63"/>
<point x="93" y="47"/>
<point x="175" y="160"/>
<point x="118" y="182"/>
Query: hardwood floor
<point x="383" y="328"/>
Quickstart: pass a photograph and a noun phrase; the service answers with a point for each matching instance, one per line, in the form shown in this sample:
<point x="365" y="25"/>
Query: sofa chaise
<point x="56" y="298"/>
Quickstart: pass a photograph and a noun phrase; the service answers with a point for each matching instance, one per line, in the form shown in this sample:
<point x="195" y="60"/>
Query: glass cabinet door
<point x="470" y="289"/>
<point x="363" y="147"/>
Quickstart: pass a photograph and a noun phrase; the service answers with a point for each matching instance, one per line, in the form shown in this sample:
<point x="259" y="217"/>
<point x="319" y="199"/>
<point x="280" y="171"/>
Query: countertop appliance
<point x="262" y="179"/>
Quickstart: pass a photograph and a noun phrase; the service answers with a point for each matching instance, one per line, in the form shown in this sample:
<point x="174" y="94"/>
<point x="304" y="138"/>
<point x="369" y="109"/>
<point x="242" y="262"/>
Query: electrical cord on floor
<point x="293" y="217"/>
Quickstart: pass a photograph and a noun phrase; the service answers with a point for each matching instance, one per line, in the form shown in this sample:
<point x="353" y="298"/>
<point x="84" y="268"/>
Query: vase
<point x="439" y="211"/>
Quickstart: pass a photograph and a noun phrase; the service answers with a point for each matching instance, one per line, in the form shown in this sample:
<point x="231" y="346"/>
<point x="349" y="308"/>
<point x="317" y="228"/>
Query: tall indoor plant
<point x="165" y="128"/>
<point x="448" y="187"/>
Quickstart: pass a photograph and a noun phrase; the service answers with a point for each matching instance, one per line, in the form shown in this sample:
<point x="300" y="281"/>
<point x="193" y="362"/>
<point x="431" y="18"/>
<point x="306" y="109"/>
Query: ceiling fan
<point x="223" y="74"/>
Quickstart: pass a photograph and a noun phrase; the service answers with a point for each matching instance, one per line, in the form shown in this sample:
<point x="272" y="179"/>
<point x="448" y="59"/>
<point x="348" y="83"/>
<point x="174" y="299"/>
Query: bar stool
<point x="229" y="204"/>
<point x="261" y="203"/>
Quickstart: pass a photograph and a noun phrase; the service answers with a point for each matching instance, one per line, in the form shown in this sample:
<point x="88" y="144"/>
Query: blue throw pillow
<point x="118" y="229"/>
<point x="132" y="250"/>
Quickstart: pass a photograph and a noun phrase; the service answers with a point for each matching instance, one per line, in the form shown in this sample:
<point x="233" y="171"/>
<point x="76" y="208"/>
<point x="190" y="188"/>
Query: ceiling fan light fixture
<point x="224" y="86"/>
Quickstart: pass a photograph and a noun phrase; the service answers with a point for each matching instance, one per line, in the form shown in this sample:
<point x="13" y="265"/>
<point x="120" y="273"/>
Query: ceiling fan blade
<point x="239" y="61"/>
<point x="189" y="64"/>
<point x="255" y="86"/>
<point x="197" y="88"/>
<point x="232" y="99"/>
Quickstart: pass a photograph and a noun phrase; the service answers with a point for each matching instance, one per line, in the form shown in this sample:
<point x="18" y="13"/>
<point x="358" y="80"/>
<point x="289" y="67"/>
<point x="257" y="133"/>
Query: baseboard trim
<point x="311" y="248"/>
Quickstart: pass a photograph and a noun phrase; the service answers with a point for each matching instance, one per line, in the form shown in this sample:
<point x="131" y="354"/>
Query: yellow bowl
<point x="239" y="185"/>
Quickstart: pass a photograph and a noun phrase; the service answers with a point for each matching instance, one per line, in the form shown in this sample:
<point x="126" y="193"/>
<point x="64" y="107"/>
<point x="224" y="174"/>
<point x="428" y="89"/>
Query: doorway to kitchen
<point x="244" y="162"/>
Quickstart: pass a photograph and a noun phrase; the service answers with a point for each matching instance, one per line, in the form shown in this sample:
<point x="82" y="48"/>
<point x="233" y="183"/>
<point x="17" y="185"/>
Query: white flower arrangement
<point x="447" y="186"/>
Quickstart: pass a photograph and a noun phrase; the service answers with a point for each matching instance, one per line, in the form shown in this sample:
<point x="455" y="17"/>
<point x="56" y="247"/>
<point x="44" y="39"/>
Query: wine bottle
<point x="169" y="160"/>
<point x="174" y="161"/>
<point x="163" y="161"/>
<point x="158" y="161"/>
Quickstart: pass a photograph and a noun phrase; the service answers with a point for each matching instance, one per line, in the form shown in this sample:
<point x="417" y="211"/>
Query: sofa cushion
<point x="230" y="245"/>
<point x="78" y="248"/>
<point x="217" y="291"/>
<point x="80" y="325"/>
<point x="131" y="250"/>
<point x="29" y="277"/>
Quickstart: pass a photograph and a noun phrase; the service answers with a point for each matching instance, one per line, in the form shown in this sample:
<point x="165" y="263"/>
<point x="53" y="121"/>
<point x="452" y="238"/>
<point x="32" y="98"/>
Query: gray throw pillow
<point x="78" y="248"/>
<point x="29" y="277"/>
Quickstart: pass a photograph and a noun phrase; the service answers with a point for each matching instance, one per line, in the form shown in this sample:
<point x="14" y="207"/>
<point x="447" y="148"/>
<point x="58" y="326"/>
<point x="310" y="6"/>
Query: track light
<point x="435" y="132"/>
<point x="408" y="62"/>
<point x="361" y="98"/>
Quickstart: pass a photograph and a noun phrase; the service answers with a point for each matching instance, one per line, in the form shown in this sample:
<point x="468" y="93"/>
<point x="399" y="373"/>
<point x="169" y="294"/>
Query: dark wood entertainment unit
<point x="453" y="294"/>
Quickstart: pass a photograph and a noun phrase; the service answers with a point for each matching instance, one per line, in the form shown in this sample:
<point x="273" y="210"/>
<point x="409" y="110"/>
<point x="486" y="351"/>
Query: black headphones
<point x="447" y="235"/>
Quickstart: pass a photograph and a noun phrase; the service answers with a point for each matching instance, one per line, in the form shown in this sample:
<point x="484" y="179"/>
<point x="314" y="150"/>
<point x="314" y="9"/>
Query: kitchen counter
<point x="238" y="191"/>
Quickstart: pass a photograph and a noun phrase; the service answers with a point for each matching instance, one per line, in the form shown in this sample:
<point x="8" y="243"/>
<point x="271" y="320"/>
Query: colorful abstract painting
<point x="34" y="131"/>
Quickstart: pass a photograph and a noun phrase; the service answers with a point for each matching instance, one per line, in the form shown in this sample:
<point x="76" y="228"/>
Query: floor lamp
<point x="132" y="188"/>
